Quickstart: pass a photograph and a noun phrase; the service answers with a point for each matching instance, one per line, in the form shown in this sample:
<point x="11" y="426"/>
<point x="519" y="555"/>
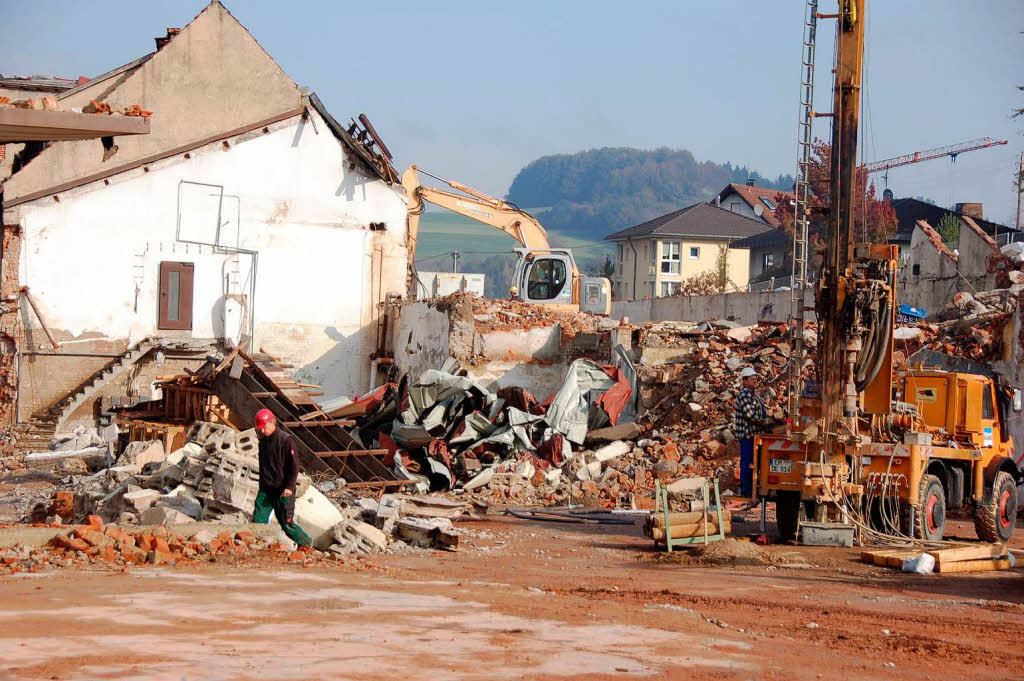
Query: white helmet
<point x="747" y="372"/>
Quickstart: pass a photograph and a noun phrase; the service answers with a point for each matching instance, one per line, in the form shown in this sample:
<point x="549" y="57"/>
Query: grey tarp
<point x="569" y="411"/>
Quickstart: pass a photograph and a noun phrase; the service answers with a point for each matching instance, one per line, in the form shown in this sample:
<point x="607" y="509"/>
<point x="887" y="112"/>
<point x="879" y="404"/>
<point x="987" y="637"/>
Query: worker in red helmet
<point x="279" y="470"/>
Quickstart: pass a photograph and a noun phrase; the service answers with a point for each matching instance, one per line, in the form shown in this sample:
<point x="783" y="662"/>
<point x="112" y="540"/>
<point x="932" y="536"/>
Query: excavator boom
<point x="518" y="224"/>
<point x="543" y="275"/>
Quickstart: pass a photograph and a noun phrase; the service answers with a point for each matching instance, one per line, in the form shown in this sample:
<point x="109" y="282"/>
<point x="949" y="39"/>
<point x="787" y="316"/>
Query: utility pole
<point x="455" y="262"/>
<point x="1020" y="180"/>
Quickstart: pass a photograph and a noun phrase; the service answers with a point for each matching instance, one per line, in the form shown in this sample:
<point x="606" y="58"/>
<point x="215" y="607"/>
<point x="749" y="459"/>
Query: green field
<point x="443" y="231"/>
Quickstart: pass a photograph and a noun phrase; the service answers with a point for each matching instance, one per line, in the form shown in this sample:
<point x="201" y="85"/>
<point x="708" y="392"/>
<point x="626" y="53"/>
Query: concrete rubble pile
<point x="970" y="326"/>
<point x="214" y="478"/>
<point x="689" y="377"/>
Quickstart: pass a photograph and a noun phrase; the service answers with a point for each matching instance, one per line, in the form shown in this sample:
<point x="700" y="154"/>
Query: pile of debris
<point x="444" y="430"/>
<point x="214" y="477"/>
<point x="968" y="326"/>
<point x="514" y="315"/>
<point x="96" y="543"/>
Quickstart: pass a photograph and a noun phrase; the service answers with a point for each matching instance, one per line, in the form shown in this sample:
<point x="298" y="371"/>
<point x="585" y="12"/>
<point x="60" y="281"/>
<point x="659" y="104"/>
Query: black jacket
<point x="279" y="464"/>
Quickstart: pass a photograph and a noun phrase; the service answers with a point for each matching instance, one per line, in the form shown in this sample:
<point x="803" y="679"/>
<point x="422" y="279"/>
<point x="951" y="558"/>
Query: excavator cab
<point x="547" y="277"/>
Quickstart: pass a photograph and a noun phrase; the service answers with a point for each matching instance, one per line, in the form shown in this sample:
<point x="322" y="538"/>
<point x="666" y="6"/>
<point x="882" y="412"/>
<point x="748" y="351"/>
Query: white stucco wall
<point x="92" y="257"/>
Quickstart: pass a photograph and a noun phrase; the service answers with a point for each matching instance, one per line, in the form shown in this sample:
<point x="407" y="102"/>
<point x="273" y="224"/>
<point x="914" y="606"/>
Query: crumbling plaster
<point x="91" y="255"/>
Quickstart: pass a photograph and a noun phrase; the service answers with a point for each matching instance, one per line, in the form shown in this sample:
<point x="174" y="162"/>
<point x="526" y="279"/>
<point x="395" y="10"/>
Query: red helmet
<point x="263" y="417"/>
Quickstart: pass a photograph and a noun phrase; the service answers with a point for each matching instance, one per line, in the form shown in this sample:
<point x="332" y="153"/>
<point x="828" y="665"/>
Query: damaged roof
<point x="378" y="163"/>
<point x="43" y="83"/>
<point x="701" y="220"/>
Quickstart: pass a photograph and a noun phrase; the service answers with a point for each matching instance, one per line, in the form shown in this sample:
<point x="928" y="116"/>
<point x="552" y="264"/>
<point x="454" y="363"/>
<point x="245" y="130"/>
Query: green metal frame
<point x="661" y="500"/>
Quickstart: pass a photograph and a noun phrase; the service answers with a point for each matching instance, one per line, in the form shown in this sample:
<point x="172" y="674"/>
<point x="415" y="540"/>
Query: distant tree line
<point x="595" y="192"/>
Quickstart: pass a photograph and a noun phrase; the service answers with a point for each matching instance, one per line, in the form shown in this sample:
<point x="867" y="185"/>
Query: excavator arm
<point x="478" y="206"/>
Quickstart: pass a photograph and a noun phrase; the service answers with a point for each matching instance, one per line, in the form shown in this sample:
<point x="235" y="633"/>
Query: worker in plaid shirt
<point x="751" y="419"/>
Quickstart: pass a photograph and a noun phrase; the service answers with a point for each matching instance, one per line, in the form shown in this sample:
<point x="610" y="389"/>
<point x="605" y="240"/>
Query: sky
<point x="473" y="91"/>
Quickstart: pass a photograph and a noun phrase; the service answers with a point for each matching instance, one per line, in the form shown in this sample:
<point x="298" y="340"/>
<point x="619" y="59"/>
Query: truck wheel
<point x="930" y="512"/>
<point x="787" y="514"/>
<point x="995" y="522"/>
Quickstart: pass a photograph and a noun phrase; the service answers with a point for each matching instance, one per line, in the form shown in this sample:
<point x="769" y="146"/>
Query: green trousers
<point x="284" y="509"/>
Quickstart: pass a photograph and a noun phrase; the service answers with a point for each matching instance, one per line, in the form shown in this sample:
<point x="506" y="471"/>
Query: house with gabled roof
<point x="655" y="257"/>
<point x="248" y="213"/>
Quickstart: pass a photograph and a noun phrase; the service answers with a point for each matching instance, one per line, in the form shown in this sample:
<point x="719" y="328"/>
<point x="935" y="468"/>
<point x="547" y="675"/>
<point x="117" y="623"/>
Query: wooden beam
<point x="240" y="348"/>
<point x="353" y="452"/>
<point x="977" y="565"/>
<point x="309" y="424"/>
<point x="960" y="553"/>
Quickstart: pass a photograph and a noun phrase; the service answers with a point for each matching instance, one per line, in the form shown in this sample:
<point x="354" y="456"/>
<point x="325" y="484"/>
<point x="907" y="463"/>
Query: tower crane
<point x="953" y="150"/>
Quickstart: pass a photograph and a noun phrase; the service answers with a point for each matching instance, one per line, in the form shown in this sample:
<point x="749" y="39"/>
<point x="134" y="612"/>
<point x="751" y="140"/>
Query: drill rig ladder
<point x="801" y="211"/>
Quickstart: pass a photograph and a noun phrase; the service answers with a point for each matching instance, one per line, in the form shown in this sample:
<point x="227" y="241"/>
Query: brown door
<point x="176" y="295"/>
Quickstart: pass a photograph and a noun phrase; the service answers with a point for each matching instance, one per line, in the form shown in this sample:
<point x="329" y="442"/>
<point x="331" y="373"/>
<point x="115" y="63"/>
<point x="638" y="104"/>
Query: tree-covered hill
<point x="595" y="192"/>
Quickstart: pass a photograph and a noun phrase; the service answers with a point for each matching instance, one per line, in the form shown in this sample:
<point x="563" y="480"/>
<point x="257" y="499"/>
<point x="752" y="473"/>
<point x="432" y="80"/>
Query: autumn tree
<point x="874" y="218"/>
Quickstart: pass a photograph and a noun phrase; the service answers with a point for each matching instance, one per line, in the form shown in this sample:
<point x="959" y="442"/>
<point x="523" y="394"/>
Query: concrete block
<point x="247" y="444"/>
<point x="140" y="453"/>
<point x="192" y="449"/>
<point x="428" y="532"/>
<point x="162" y="515"/>
<point x="139" y="500"/>
<point x="202" y="431"/>
<point x="315" y="514"/>
<point x="184" y="503"/>
<point x="613" y="450"/>
<point x="355" y="536"/>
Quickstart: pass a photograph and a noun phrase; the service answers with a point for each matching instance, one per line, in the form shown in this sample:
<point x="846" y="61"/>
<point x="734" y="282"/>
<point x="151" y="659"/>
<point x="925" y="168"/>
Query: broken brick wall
<point x="499" y="343"/>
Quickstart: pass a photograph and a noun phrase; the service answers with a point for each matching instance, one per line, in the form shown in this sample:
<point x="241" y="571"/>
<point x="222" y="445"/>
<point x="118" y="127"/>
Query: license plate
<point x="780" y="466"/>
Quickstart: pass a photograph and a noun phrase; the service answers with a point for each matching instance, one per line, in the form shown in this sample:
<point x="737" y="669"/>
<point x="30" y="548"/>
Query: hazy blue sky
<point x="474" y="90"/>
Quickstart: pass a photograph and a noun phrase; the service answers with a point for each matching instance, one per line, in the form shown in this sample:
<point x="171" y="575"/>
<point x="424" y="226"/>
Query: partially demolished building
<point x="248" y="212"/>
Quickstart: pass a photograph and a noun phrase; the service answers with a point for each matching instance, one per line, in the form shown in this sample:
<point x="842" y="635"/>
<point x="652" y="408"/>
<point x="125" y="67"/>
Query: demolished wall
<point x="499" y="343"/>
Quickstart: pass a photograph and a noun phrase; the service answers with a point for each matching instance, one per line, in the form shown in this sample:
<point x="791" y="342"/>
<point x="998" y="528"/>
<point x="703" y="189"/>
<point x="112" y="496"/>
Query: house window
<point x="670" y="257"/>
<point x="767" y="261"/>
<point x="669" y="288"/>
<point x="768" y="204"/>
<point x="694" y="252"/>
<point x="175" y="308"/>
<point x="917" y="269"/>
<point x="734" y="206"/>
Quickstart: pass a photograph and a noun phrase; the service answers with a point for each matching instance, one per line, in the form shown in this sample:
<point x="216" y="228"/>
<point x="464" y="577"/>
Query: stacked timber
<point x="688" y="524"/>
<point x="959" y="558"/>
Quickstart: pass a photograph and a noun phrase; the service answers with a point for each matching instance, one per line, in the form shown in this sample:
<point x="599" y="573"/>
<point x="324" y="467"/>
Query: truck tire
<point x="995" y="522"/>
<point x="930" y="512"/>
<point x="787" y="514"/>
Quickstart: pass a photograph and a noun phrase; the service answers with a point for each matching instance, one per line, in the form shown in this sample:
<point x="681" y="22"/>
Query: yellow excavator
<point x="543" y="275"/>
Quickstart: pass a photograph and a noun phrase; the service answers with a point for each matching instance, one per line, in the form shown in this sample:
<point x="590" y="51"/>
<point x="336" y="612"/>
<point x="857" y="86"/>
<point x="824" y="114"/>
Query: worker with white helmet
<point x="751" y="419"/>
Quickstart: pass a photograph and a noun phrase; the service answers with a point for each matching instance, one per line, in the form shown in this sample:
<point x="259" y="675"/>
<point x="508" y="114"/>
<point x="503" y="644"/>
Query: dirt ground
<point x="519" y="600"/>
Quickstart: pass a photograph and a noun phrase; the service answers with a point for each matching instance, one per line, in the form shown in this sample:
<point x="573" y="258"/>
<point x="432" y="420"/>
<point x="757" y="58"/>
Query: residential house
<point x="248" y="212"/>
<point x="768" y="250"/>
<point x="752" y="201"/>
<point x="653" y="258"/>
<point x="768" y="254"/>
